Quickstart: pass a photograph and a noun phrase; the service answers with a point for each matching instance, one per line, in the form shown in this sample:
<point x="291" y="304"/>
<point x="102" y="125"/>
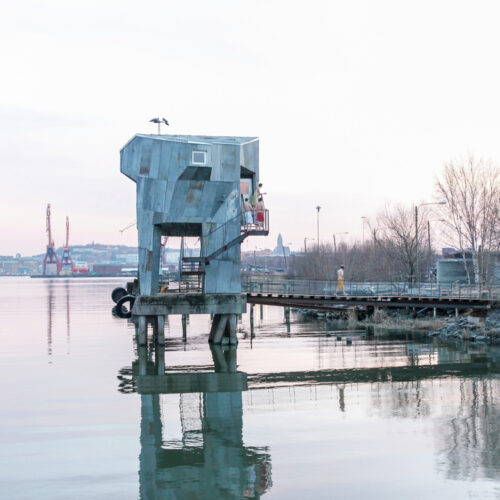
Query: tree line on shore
<point x="465" y="215"/>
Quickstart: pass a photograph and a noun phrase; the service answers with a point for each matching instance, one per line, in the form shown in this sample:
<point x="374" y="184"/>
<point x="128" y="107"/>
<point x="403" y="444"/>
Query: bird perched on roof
<point x="159" y="122"/>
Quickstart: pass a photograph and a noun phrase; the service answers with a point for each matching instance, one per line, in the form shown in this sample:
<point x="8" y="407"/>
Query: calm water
<point x="86" y="415"/>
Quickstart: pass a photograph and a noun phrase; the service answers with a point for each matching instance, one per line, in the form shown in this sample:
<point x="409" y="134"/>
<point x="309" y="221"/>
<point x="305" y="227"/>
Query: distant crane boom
<point x="67" y="232"/>
<point x="50" y="243"/>
<point x="128" y="227"/>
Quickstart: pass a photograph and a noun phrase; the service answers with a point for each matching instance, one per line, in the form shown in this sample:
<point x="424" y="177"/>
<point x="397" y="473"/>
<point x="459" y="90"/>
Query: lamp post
<point x="416" y="232"/>
<point x="335" y="240"/>
<point x="305" y="243"/>
<point x="318" y="208"/>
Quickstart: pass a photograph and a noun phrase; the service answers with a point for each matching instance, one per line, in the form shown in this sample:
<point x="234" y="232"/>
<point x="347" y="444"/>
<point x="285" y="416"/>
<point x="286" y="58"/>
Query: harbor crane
<point x="50" y="258"/>
<point x="66" y="261"/>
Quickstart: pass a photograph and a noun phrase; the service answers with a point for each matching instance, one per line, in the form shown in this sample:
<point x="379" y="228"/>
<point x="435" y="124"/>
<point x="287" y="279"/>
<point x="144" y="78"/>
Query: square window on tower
<point x="199" y="158"/>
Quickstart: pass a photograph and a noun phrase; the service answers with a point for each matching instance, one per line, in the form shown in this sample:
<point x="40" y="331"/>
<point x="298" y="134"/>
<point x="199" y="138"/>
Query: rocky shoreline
<point x="446" y="328"/>
<point x="487" y="331"/>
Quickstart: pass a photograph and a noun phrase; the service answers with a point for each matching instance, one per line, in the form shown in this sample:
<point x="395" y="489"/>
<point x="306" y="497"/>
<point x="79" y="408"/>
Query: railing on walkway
<point x="278" y="285"/>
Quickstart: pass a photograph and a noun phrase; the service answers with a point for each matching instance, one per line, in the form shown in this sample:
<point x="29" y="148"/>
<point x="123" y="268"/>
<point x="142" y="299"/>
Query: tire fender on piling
<point x="124" y="300"/>
<point x="118" y="293"/>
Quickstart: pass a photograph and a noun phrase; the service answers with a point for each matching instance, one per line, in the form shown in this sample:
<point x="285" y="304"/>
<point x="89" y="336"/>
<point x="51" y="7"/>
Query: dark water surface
<point x="86" y="415"/>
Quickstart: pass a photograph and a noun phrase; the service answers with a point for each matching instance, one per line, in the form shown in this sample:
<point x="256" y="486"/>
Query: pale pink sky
<point x="355" y="103"/>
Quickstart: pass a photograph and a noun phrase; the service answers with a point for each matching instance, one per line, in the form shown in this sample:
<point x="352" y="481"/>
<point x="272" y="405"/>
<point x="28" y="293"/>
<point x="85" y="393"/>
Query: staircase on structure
<point x="193" y="268"/>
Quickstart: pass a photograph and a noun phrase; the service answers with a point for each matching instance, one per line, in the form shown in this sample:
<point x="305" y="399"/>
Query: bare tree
<point x="400" y="236"/>
<point x="471" y="189"/>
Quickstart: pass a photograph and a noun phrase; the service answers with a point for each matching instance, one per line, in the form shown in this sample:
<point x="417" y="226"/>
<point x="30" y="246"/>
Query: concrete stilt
<point x="252" y="330"/>
<point x="261" y="312"/>
<point x="230" y="355"/>
<point x="231" y="329"/>
<point x="218" y="328"/>
<point x="434" y="312"/>
<point x="142" y="330"/>
<point x="219" y="359"/>
<point x="142" y="353"/>
<point x="184" y="327"/>
<point x="159" y="329"/>
<point x="456" y="312"/>
<point x="287" y="319"/>
<point x="160" y="359"/>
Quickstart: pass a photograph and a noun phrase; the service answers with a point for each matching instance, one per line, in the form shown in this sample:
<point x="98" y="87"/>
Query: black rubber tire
<point x="120" y="312"/>
<point x="118" y="293"/>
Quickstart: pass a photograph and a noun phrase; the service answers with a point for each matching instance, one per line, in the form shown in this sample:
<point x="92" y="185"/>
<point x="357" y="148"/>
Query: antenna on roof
<point x="159" y="122"/>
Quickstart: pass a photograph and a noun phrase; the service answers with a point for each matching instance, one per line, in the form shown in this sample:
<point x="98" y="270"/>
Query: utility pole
<point x="318" y="208"/>
<point x="416" y="233"/>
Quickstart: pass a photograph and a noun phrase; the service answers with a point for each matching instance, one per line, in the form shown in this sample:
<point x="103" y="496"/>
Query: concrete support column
<point x="160" y="359"/>
<point x="159" y="329"/>
<point x="184" y="327"/>
<point x="231" y="328"/>
<point x="218" y="327"/>
<point x="434" y="312"/>
<point x="252" y="330"/>
<point x="224" y="327"/>
<point x="142" y="353"/>
<point x="456" y="312"/>
<point x="142" y="330"/>
<point x="287" y="319"/>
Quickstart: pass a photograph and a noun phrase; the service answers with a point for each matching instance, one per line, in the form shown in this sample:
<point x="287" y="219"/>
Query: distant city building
<point x="280" y="248"/>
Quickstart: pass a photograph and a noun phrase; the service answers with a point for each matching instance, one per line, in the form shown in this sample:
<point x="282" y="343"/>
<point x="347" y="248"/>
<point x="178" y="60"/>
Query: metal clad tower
<point x="190" y="186"/>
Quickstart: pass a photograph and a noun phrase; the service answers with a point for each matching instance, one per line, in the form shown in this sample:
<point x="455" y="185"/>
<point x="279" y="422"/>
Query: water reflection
<point x="209" y="458"/>
<point x="469" y="443"/>
<point x="50" y="312"/>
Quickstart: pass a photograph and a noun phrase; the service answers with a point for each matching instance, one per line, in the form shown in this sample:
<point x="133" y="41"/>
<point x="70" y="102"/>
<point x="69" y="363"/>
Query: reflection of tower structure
<point x="210" y="460"/>
<point x="66" y="266"/>
<point x="50" y="261"/>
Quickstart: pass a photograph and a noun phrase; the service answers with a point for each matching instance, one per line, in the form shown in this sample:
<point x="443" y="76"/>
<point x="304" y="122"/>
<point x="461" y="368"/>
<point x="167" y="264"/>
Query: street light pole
<point x="416" y="233"/>
<point x="318" y="208"/>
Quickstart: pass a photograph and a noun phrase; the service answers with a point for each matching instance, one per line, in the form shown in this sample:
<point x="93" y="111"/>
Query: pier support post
<point x="142" y="330"/>
<point x="184" y="327"/>
<point x="218" y="327"/>
<point x="159" y="329"/>
<point x="160" y="359"/>
<point x="287" y="319"/>
<point x="231" y="328"/>
<point x="142" y="353"/>
<point x="223" y="329"/>
<point x="456" y="312"/>
<point x="252" y="330"/>
<point x="434" y="312"/>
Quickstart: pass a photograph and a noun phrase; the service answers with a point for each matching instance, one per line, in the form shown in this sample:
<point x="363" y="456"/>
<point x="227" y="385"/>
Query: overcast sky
<point x="356" y="103"/>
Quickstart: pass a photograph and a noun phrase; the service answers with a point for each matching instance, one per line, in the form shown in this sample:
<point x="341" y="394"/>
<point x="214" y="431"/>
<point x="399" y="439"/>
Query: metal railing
<point x="282" y="285"/>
